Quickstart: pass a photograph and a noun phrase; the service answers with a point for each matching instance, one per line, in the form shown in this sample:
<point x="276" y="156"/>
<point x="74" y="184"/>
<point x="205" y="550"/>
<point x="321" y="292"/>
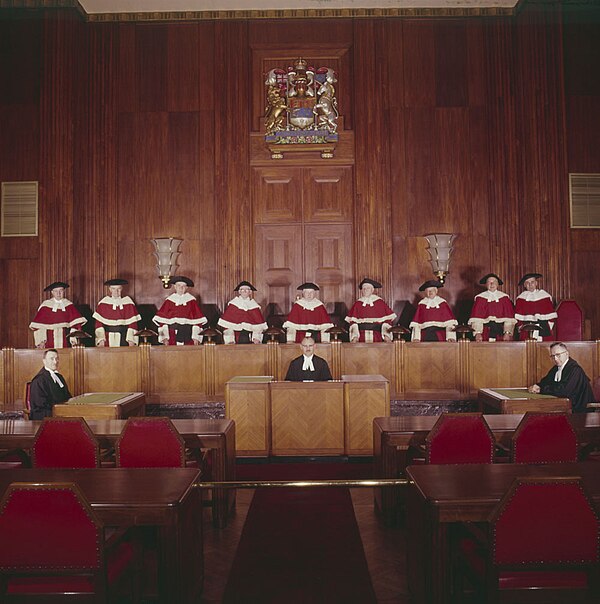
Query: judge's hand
<point x="130" y="343"/>
<point x="387" y="338"/>
<point x="507" y="337"/>
<point x="41" y="344"/>
<point x="196" y="342"/>
<point x="355" y="339"/>
<point x="100" y="342"/>
<point x="479" y="337"/>
<point x="256" y="341"/>
<point x="416" y="340"/>
<point x="535" y="389"/>
<point x="165" y="341"/>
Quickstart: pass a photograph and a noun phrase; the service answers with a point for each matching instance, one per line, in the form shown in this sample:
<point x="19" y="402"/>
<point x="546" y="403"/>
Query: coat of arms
<point x="301" y="110"/>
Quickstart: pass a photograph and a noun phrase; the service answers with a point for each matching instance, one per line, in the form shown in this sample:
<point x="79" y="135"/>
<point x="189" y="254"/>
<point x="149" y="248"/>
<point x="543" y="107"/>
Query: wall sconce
<point x="167" y="252"/>
<point x="440" y="248"/>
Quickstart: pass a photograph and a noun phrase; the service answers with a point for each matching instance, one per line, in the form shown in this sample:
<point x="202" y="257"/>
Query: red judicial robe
<point x="434" y="313"/>
<point x="242" y="314"/>
<point x="369" y="318"/>
<point x="179" y="319"/>
<point x="116" y="321"/>
<point x="54" y="318"/>
<point x="536" y="306"/>
<point x="492" y="307"/>
<point x="307" y="317"/>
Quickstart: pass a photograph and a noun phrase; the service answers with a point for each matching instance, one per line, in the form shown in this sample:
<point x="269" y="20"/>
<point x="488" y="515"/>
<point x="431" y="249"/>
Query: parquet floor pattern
<point x="384" y="548"/>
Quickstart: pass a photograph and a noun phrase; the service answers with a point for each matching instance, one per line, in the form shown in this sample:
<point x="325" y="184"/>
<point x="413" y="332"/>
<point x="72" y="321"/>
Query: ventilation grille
<point x="20" y="209"/>
<point x="585" y="200"/>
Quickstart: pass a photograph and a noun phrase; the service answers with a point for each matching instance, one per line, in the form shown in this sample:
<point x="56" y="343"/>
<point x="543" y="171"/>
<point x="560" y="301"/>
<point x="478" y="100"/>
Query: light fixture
<point x="167" y="252"/>
<point x="440" y="248"/>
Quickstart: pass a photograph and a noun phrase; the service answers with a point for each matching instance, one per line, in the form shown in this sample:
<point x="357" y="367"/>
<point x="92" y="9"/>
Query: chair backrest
<point x="65" y="442"/>
<point x="569" y="322"/>
<point x="460" y="438"/>
<point x="49" y="526"/>
<point x="544" y="438"/>
<point x="150" y="442"/>
<point x="545" y="521"/>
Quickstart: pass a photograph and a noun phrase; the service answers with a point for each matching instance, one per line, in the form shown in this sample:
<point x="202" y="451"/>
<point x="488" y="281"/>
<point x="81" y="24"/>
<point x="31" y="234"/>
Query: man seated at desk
<point x="48" y="387"/>
<point x="308" y="367"/>
<point x="566" y="379"/>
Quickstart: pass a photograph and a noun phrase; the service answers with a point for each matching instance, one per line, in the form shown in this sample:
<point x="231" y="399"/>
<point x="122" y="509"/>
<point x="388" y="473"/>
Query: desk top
<point x="517" y="394"/>
<point x="116" y="488"/>
<point x="471" y="491"/>
<point x="102" y="398"/>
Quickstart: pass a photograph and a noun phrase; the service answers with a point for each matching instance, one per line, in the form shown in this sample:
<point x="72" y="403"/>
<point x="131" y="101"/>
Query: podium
<point x="306" y="418"/>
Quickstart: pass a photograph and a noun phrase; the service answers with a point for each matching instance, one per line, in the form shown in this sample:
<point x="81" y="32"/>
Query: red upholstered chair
<point x="569" y="323"/>
<point x="150" y="442"/>
<point x="544" y="438"/>
<point x="65" y="442"/>
<point x="54" y="548"/>
<point x="543" y="546"/>
<point x="460" y="438"/>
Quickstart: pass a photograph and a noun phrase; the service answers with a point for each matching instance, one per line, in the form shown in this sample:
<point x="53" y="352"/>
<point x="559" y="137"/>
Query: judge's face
<point x="180" y="288"/>
<point x="431" y="292"/>
<point x="309" y="294"/>
<point x="51" y="361"/>
<point x="367" y="289"/>
<point x="245" y="292"/>
<point x="531" y="284"/>
<point x="559" y="354"/>
<point x="308" y="347"/>
<point x="492" y="284"/>
<point x="115" y="291"/>
<point x="58" y="293"/>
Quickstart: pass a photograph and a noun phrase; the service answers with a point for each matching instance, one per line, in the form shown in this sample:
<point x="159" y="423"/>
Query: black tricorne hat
<point x="246" y="284"/>
<point x="430" y="283"/>
<point x="180" y="279"/>
<point x="309" y="285"/>
<point x="368" y="281"/>
<point x="54" y="285"/>
<point x="529" y="276"/>
<point x="483" y="280"/>
<point x="116" y="282"/>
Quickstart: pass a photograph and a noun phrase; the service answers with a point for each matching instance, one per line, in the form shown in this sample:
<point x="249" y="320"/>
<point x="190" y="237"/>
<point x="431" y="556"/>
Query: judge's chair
<point x="150" y="442"/>
<point x="569" y="322"/>
<point x="55" y="549"/>
<point x="541" y="546"/>
<point x="65" y="443"/>
<point x="458" y="438"/>
<point x="544" y="438"/>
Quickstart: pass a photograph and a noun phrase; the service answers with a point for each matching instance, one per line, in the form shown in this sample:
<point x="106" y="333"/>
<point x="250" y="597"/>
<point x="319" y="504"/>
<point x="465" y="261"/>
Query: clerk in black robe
<point x="48" y="387"/>
<point x="308" y="366"/>
<point x="572" y="382"/>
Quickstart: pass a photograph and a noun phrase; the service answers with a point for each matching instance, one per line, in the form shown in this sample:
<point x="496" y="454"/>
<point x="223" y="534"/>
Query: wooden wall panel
<point x="238" y="360"/>
<point x="499" y="364"/>
<point x="356" y="361"/>
<point x="426" y="370"/>
<point x="328" y="194"/>
<point x="167" y="385"/>
<point x="112" y="370"/>
<point x="279" y="251"/>
<point x="277" y="194"/>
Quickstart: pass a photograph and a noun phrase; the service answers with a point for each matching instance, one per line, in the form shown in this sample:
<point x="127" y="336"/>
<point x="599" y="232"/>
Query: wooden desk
<point x="161" y="497"/>
<point x="392" y="437"/>
<point x="519" y="400"/>
<point x="446" y="494"/>
<point x="102" y="405"/>
<point x="217" y="435"/>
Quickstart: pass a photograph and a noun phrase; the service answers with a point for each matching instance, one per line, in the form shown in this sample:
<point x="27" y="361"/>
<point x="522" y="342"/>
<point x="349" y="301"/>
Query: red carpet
<point x="300" y="546"/>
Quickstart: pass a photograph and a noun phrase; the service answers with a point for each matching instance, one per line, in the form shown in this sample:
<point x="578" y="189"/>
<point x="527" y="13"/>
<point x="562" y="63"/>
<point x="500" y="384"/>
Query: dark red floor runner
<point x="300" y="545"/>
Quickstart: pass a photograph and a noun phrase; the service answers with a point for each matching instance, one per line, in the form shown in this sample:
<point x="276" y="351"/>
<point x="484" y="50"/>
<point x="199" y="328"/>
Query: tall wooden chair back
<point x="460" y="438"/>
<point x="150" y="442"/>
<point x="65" y="442"/>
<point x="544" y="438"/>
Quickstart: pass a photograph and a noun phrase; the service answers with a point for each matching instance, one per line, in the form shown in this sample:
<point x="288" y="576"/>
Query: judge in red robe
<point x="535" y="305"/>
<point x="116" y="317"/>
<point x="179" y="318"/>
<point x="243" y="321"/>
<point x="55" y="318"/>
<point x="433" y="321"/>
<point x="308" y="317"/>
<point x="370" y="318"/>
<point x="493" y="313"/>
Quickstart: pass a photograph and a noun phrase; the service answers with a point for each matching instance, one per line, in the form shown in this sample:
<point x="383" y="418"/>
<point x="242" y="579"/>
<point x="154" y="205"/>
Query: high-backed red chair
<point x="569" y="322"/>
<point x="54" y="548"/>
<point x="65" y="442"/>
<point x="544" y="438"/>
<point x="150" y="442"/>
<point x="460" y="438"/>
<point x="543" y="546"/>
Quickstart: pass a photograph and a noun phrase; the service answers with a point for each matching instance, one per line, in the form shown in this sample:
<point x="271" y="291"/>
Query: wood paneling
<point x="277" y="194"/>
<point x="501" y="366"/>
<point x="432" y="368"/>
<point x="170" y="385"/>
<point x="378" y="361"/>
<point x="106" y="370"/>
<point x="328" y="194"/>
<point x="239" y="360"/>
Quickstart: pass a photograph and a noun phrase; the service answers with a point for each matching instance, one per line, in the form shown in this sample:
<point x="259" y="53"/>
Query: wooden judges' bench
<point x="305" y="418"/>
<point x="415" y="370"/>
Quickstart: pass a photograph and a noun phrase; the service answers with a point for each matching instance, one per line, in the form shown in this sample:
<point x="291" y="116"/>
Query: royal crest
<point x="301" y="110"/>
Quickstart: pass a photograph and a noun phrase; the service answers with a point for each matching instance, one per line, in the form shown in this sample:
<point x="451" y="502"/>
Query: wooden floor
<point x="384" y="549"/>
